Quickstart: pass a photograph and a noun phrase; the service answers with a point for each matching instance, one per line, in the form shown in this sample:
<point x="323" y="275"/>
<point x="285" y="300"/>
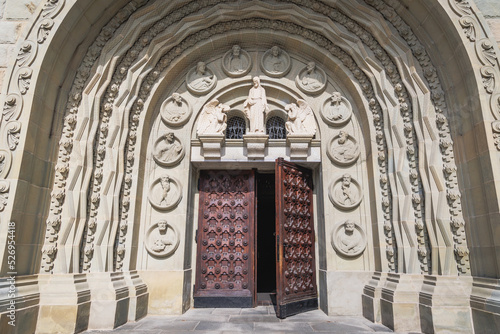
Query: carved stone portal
<point x="165" y="193"/>
<point x="311" y="79"/>
<point x="162" y="239"/>
<point x="168" y="150"/>
<point x="343" y="149"/>
<point x="200" y="80"/>
<point x="348" y="238"/>
<point x="345" y="193"/>
<point x="175" y="111"/>
<point x="337" y="110"/>
<point x="236" y="62"/>
<point x="275" y="62"/>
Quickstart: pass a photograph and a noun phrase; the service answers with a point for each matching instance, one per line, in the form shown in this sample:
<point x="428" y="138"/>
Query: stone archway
<point x="94" y="146"/>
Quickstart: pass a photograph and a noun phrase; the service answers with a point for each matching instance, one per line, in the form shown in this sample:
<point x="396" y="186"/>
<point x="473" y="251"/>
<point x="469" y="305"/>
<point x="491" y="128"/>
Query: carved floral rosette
<point x="162" y="243"/>
<point x="276" y="68"/>
<point x="243" y="67"/>
<point x="165" y="193"/>
<point x="345" y="199"/>
<point x="194" y="83"/>
<point x="174" y="115"/>
<point x="168" y="154"/>
<point x="343" y="154"/>
<point x="301" y="81"/>
<point x="349" y="244"/>
<point x="336" y="113"/>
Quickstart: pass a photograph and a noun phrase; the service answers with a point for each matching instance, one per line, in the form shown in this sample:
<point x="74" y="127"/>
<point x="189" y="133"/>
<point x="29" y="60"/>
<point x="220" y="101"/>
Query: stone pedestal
<point x="372" y="293"/>
<point x="256" y="145"/>
<point x="110" y="300"/>
<point x="212" y="145"/>
<point x="485" y="305"/>
<point x="444" y="305"/>
<point x="399" y="302"/>
<point x="138" y="292"/>
<point x="64" y="303"/>
<point x="299" y="145"/>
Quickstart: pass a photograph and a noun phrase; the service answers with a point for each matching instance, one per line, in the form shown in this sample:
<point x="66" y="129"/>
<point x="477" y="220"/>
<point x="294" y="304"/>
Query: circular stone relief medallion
<point x="168" y="150"/>
<point x="162" y="239"/>
<point x="311" y="79"/>
<point x="345" y="192"/>
<point x="343" y="149"/>
<point x="175" y="111"/>
<point x="336" y="110"/>
<point x="236" y="62"/>
<point x="348" y="238"/>
<point x="200" y="79"/>
<point x="165" y="193"/>
<point x="275" y="62"/>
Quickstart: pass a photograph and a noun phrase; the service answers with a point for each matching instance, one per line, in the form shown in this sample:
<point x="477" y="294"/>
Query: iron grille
<point x="235" y="128"/>
<point x="275" y="128"/>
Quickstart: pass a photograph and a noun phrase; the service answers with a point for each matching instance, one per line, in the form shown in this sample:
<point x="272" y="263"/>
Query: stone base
<point x="344" y="289"/>
<point x="212" y="145"/>
<point x="485" y="305"/>
<point x="256" y="145"/>
<point x="139" y="296"/>
<point x="299" y="145"/>
<point x="165" y="291"/>
<point x="371" y="297"/>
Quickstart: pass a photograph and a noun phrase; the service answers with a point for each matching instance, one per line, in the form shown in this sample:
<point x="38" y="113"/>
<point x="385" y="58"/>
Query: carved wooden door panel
<point x="295" y="266"/>
<point x="225" y="257"/>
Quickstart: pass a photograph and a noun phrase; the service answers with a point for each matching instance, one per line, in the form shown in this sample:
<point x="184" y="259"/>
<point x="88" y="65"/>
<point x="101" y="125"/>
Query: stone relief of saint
<point x="236" y="61"/>
<point x="300" y="118"/>
<point x="337" y="110"/>
<point x="311" y="79"/>
<point x="344" y="150"/>
<point x="169" y="150"/>
<point x="347" y="193"/>
<point x="351" y="241"/>
<point x="175" y="109"/>
<point x="202" y="79"/>
<point x="161" y="238"/>
<point x="275" y="62"/>
<point x="213" y="118"/>
<point x="165" y="189"/>
<point x="255" y="107"/>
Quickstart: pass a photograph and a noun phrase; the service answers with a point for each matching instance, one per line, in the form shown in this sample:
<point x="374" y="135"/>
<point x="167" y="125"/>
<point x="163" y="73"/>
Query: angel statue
<point x="213" y="119"/>
<point x="300" y="118"/>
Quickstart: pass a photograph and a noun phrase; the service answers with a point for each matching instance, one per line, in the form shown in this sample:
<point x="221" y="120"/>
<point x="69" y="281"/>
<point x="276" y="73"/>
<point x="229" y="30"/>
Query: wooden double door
<point x="231" y="251"/>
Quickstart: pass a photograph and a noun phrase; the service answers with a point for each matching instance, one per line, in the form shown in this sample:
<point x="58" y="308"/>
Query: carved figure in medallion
<point x="344" y="149"/>
<point x="165" y="193"/>
<point x="311" y="79"/>
<point x="336" y="110"/>
<point x="276" y="62"/>
<point x="175" y="110"/>
<point x="165" y="187"/>
<point x="256" y="107"/>
<point x="348" y="238"/>
<point x="345" y="193"/>
<point x="213" y="118"/>
<point x="300" y="118"/>
<point x="201" y="80"/>
<point x="162" y="239"/>
<point x="168" y="150"/>
<point x="236" y="62"/>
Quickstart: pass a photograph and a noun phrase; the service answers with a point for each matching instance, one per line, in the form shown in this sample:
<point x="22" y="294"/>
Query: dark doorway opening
<point x="266" y="239"/>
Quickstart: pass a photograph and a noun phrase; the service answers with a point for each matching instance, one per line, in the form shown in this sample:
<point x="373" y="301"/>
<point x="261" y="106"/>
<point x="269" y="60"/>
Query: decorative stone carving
<point x="200" y="79"/>
<point x="4" y="194"/>
<point x="52" y="8"/>
<point x="165" y="193"/>
<point x="13" y="134"/>
<point x="343" y="149"/>
<point x="212" y="145"/>
<point x="256" y="107"/>
<point x="345" y="193"/>
<point x="5" y="163"/>
<point x="496" y="133"/>
<point x="24" y="79"/>
<point x="213" y="120"/>
<point x="44" y="30"/>
<point x="255" y="144"/>
<point x="275" y="62"/>
<point x="26" y="54"/>
<point x="300" y="119"/>
<point x="311" y="79"/>
<point x="236" y="62"/>
<point x="168" y="150"/>
<point x="336" y="110"/>
<point x="12" y="107"/>
<point x="175" y="111"/>
<point x="162" y="239"/>
<point x="348" y="238"/>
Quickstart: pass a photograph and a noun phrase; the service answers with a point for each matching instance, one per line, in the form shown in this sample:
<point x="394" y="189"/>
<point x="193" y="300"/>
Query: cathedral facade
<point x="157" y="156"/>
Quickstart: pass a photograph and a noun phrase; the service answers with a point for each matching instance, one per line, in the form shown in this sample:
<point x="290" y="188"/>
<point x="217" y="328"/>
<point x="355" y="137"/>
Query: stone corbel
<point x="299" y="145"/>
<point x="256" y="145"/>
<point x="212" y="145"/>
